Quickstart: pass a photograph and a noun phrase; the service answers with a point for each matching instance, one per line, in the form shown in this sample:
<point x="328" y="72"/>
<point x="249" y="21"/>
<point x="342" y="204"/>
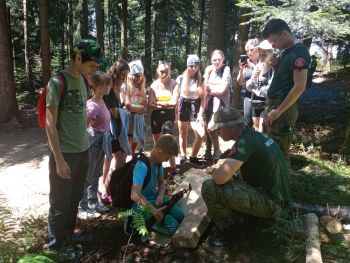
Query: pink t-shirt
<point x="98" y="115"/>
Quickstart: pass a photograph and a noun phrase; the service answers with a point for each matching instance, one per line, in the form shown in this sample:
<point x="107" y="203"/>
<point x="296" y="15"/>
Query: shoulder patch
<point x="299" y="63"/>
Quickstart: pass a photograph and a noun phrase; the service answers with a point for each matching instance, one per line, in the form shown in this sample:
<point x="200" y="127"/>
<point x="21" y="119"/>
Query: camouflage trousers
<point x="228" y="203"/>
<point x="281" y="130"/>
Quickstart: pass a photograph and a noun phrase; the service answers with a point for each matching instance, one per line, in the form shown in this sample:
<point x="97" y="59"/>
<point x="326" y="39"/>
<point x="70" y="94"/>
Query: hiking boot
<point x="217" y="154"/>
<point x="207" y="155"/>
<point x="99" y="208"/>
<point x="183" y="159"/>
<point x="82" y="239"/>
<point x="88" y="214"/>
<point x="195" y="162"/>
<point x="128" y="227"/>
<point x="175" y="176"/>
<point x="70" y="254"/>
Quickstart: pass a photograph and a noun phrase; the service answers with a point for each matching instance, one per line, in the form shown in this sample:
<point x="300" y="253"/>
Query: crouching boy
<point x="153" y="193"/>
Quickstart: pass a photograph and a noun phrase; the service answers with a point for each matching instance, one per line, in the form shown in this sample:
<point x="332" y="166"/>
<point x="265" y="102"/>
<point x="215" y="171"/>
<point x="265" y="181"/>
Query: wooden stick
<point x="313" y="250"/>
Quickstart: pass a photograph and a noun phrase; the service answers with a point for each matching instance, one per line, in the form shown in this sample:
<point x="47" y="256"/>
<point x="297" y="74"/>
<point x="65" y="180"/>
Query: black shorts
<point x="188" y="109"/>
<point x="159" y="117"/>
<point x="116" y="146"/>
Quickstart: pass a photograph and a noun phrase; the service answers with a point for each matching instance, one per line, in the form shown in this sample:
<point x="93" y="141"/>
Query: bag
<point x="122" y="179"/>
<point x="41" y="106"/>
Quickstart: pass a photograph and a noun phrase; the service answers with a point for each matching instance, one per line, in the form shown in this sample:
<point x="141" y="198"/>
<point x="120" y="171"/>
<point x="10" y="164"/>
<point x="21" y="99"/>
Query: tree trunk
<point x="201" y="28"/>
<point x="188" y="28"/>
<point x="85" y="20"/>
<point x="70" y="29"/>
<point x="243" y="30"/>
<point x="148" y="40"/>
<point x="26" y="48"/>
<point x="345" y="147"/>
<point x="8" y="102"/>
<point x="216" y="26"/>
<point x="62" y="34"/>
<point x="99" y="22"/>
<point x="45" y="40"/>
<point x="123" y="29"/>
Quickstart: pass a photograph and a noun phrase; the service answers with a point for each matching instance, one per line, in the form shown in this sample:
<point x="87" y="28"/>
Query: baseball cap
<point x="265" y="45"/>
<point x="192" y="60"/>
<point x="89" y="50"/>
<point x="136" y="67"/>
<point x="226" y="117"/>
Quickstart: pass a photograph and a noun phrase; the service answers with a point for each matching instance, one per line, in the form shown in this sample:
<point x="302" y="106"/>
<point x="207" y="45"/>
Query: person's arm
<point x="152" y="103"/>
<point x="299" y="79"/>
<point x="240" y="76"/>
<point x="226" y="170"/>
<point x="161" y="190"/>
<point x="134" y="108"/>
<point x="138" y="198"/>
<point x="62" y="167"/>
<point x="203" y="96"/>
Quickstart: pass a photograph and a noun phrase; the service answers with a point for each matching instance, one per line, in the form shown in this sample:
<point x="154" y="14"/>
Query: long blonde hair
<point x="197" y="78"/>
<point x="132" y="86"/>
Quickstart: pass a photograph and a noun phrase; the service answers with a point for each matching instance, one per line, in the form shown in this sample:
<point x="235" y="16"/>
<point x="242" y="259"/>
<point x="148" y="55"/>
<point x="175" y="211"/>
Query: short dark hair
<point x="89" y="50"/>
<point x="275" y="26"/>
<point x="168" y="144"/>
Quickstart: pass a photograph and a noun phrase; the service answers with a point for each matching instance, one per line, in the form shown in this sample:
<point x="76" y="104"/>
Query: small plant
<point x="139" y="218"/>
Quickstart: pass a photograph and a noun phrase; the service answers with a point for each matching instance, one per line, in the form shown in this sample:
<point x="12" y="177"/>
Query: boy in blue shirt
<point x="153" y="194"/>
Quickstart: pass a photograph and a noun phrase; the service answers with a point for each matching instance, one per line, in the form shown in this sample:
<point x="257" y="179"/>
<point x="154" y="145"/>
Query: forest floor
<point x="324" y="112"/>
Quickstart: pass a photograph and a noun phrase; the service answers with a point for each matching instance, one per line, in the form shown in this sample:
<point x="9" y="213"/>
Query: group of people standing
<point x="114" y="117"/>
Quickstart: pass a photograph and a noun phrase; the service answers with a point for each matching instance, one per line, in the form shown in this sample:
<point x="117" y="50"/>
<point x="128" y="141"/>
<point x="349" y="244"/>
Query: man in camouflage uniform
<point x="263" y="189"/>
<point x="288" y="83"/>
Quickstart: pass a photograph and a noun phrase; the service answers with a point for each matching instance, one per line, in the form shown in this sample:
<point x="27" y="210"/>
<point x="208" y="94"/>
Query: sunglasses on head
<point x="164" y="62"/>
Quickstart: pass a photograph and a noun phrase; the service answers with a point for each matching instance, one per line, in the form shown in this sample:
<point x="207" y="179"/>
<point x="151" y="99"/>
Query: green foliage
<point x="139" y="217"/>
<point x="336" y="251"/>
<point x="46" y="256"/>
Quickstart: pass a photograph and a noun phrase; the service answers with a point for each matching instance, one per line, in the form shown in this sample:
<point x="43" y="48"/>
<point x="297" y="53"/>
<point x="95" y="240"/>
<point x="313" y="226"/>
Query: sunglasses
<point x="164" y="62"/>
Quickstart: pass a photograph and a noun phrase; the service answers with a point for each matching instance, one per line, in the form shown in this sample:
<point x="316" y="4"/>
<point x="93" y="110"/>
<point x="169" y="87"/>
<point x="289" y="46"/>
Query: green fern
<point x="139" y="218"/>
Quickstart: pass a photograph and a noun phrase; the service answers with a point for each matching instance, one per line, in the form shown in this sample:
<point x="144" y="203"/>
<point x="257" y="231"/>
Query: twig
<point x="127" y="246"/>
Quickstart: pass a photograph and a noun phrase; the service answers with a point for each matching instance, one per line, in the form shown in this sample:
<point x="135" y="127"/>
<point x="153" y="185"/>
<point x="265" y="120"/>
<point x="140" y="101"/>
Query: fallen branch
<point x="335" y="211"/>
<point x="313" y="250"/>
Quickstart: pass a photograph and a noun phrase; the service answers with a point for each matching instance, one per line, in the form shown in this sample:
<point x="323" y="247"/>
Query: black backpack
<point x="122" y="179"/>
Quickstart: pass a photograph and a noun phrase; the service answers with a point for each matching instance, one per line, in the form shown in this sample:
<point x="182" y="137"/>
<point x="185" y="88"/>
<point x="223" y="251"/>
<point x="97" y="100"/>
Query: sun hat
<point x="226" y="117"/>
<point x="89" y="50"/>
<point x="265" y="45"/>
<point x="136" y="67"/>
<point x="192" y="60"/>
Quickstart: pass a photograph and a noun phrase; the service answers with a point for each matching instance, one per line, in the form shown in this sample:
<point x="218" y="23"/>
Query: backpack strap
<point x="63" y="87"/>
<point x="143" y="158"/>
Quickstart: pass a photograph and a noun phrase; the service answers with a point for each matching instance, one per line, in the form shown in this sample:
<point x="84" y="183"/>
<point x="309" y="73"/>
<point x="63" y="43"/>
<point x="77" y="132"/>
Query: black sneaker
<point x="128" y="227"/>
<point x="82" y="239"/>
<point x="216" y="239"/>
<point x="195" y="162"/>
<point x="207" y="155"/>
<point x="70" y="253"/>
<point x="183" y="159"/>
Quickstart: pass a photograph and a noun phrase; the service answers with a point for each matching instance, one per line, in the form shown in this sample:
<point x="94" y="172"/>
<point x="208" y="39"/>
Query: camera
<point x="244" y="59"/>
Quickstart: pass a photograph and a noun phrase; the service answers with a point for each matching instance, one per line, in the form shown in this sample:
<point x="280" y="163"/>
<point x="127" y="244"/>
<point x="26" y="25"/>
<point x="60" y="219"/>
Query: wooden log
<point x="332" y="224"/>
<point x="313" y="250"/>
<point x="196" y="219"/>
<point x="342" y="212"/>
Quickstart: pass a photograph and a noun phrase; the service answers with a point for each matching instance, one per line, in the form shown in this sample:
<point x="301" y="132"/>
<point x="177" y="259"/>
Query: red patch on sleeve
<point x="233" y="150"/>
<point x="299" y="63"/>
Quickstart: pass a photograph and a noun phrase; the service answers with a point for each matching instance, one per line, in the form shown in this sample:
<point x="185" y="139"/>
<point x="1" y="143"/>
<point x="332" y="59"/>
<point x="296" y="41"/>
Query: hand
<point x="63" y="169"/>
<point x="272" y="116"/>
<point x="159" y="200"/>
<point x="159" y="216"/>
<point x="273" y="61"/>
<point x="242" y="65"/>
<point x="256" y="73"/>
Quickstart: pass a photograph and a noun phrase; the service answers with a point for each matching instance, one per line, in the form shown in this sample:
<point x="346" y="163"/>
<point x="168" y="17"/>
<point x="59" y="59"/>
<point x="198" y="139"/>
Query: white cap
<point x="265" y="45"/>
<point x="136" y="67"/>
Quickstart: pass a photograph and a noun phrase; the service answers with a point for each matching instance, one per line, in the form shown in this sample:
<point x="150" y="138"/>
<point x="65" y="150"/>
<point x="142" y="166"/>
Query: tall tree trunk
<point x="8" y="103"/>
<point x="216" y="26"/>
<point x="123" y="29"/>
<point x="148" y="40"/>
<point x="85" y="20"/>
<point x="188" y="28"/>
<point x="99" y="22"/>
<point x="201" y="28"/>
<point x="62" y="34"/>
<point x="70" y="29"/>
<point x="243" y="30"/>
<point x="45" y="40"/>
<point x="26" y="48"/>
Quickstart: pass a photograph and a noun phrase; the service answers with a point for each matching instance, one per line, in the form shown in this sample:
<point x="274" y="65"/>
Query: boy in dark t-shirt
<point x="288" y="83"/>
<point x="265" y="188"/>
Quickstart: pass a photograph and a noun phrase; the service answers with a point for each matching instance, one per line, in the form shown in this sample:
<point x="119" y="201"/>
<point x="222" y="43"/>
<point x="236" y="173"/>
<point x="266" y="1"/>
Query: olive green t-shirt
<point x="71" y="119"/>
<point x="296" y="57"/>
<point x="264" y="165"/>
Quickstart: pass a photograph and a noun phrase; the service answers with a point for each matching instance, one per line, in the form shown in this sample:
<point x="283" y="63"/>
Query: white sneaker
<point x="217" y="154"/>
<point x="88" y="214"/>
